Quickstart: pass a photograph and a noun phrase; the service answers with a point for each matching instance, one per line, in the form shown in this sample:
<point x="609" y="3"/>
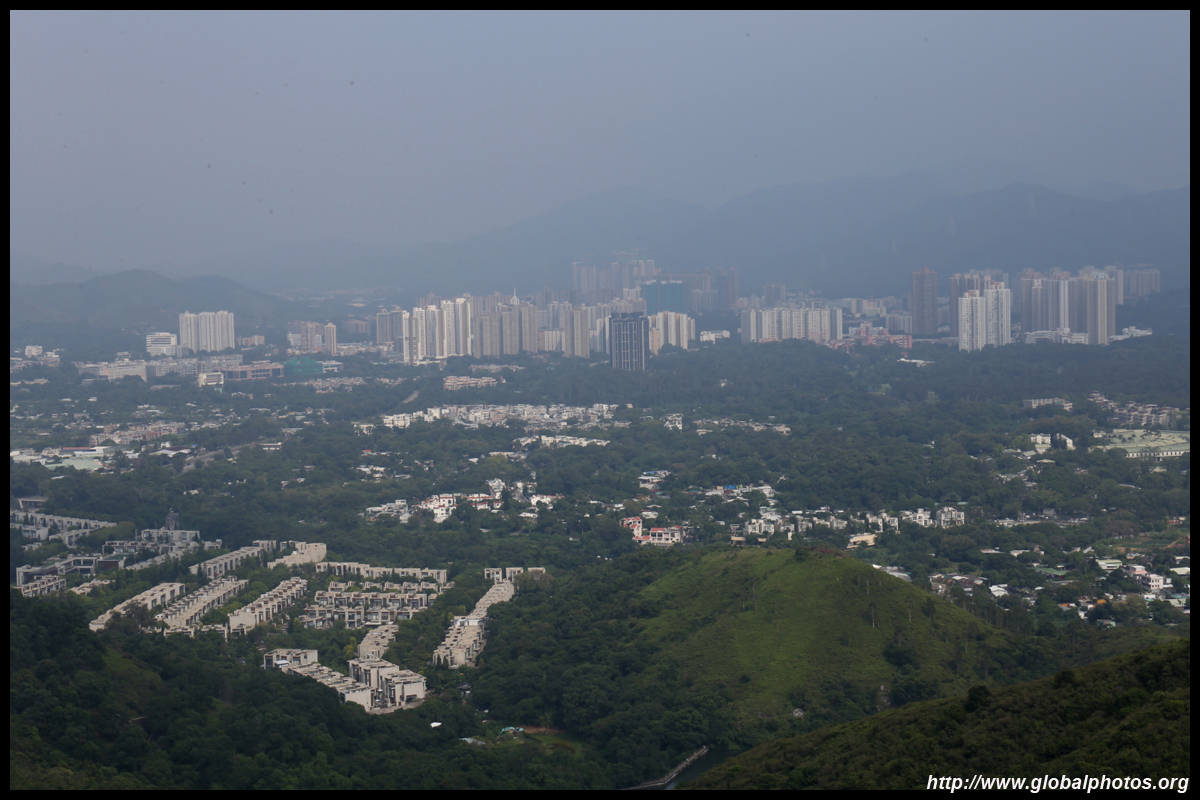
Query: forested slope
<point x="1127" y="716"/>
<point x="650" y="656"/>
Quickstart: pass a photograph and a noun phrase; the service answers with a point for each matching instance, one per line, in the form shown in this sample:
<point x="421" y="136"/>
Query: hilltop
<point x="1127" y="716"/>
<point x="649" y="656"/>
<point x="810" y="636"/>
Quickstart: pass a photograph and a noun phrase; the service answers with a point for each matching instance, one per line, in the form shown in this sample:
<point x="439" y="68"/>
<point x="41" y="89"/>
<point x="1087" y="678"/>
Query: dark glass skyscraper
<point x="666" y="296"/>
<point x="630" y="341"/>
<point x="924" y="302"/>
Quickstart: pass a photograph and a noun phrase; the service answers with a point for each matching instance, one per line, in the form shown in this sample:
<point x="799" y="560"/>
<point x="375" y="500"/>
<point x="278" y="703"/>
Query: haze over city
<point x="485" y="400"/>
<point x="172" y="141"/>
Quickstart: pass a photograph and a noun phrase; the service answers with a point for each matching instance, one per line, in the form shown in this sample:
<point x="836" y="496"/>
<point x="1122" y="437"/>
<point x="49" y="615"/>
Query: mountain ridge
<point x="851" y="236"/>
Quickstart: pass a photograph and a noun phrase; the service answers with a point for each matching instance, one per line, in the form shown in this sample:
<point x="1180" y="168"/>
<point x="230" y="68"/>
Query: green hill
<point x="648" y="656"/>
<point x="1127" y="716"/>
<point x="734" y="647"/>
<point x="828" y="636"/>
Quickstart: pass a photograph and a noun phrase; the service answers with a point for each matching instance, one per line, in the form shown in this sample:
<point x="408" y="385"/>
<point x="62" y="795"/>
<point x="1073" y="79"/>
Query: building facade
<point x="208" y="331"/>
<point x="629" y="341"/>
<point x="924" y="302"/>
<point x="162" y="344"/>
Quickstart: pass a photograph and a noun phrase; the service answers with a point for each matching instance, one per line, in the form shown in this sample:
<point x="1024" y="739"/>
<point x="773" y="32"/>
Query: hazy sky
<point x="161" y="139"/>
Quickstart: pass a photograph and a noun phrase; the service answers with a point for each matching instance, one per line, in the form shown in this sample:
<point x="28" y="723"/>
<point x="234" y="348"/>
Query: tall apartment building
<point x="629" y="341"/>
<point x="510" y="330"/>
<point x="383" y="326"/>
<point x="208" y="331"/>
<point x="312" y="336"/>
<point x="985" y="317"/>
<point x="670" y="327"/>
<point x="1046" y="302"/>
<point x="725" y="284"/>
<point x="1099" y="295"/>
<point x="189" y="333"/>
<point x="1141" y="281"/>
<point x="486" y="335"/>
<point x="593" y="283"/>
<point x="972" y="320"/>
<point x="528" y="322"/>
<point x="577" y="334"/>
<point x="998" y="300"/>
<point x="775" y="324"/>
<point x="357" y="328"/>
<point x="435" y="330"/>
<point x="1063" y="307"/>
<point x="329" y="344"/>
<point x="404" y="336"/>
<point x="960" y="282"/>
<point x="666" y="295"/>
<point x="924" y="302"/>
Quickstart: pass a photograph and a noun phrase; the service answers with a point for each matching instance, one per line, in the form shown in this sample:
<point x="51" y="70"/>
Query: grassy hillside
<point x="1127" y="716"/>
<point x="780" y="633"/>
<point x="647" y="657"/>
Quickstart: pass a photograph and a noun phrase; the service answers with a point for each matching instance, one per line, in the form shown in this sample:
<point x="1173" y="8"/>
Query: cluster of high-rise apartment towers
<point x="1058" y="306"/>
<point x="626" y="310"/>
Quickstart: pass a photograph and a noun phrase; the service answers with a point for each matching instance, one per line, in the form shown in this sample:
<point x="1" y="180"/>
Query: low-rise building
<point x="398" y="509"/>
<point x="468" y="634"/>
<point x="363" y="609"/>
<point x="187" y="610"/>
<point x="267" y="606"/>
<point x="215" y="567"/>
<point x="306" y="553"/>
<point x="661" y="537"/>
<point x="257" y="371"/>
<point x="85" y="588"/>
<point x="1152" y="582"/>
<point x="502" y="574"/>
<point x="32" y="521"/>
<point x="454" y="382"/>
<point x="883" y="522"/>
<point x="862" y="540"/>
<point x="391" y="686"/>
<point x="114" y="370"/>
<point x="921" y="517"/>
<point x="45" y="585"/>
<point x="375" y="644"/>
<point x="161" y="595"/>
<point x="950" y="517"/>
<point x="1146" y="444"/>
<point x="66" y="565"/>
<point x="162" y="541"/>
<point x="1066" y="405"/>
<point x="348" y="689"/>
<point x="278" y="659"/>
<point x="347" y="568"/>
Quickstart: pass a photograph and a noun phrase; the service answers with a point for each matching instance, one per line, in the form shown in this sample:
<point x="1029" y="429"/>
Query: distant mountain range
<point x="110" y="312"/>
<point x="26" y="270"/>
<point x="853" y="237"/>
<point x="859" y="236"/>
<point x="137" y="297"/>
